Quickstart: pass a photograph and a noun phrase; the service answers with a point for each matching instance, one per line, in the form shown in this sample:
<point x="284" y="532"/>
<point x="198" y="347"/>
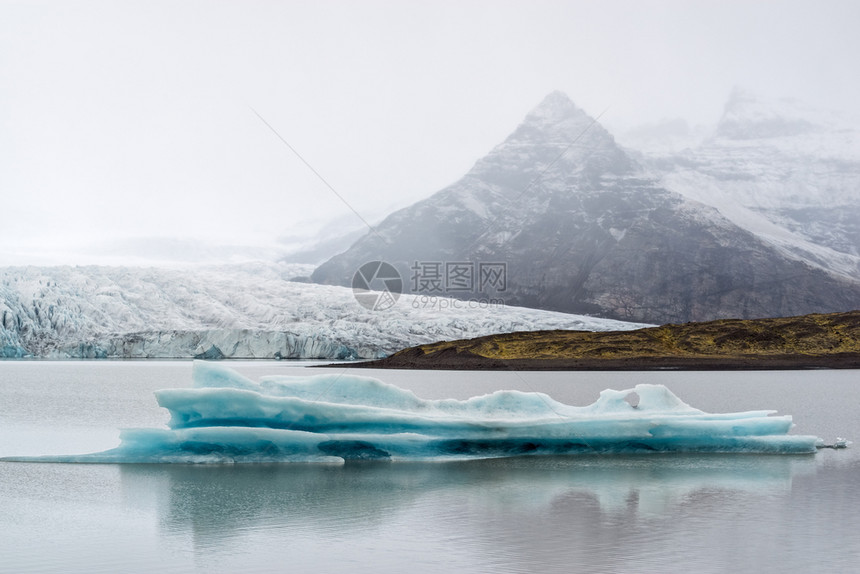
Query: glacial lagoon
<point x="589" y="513"/>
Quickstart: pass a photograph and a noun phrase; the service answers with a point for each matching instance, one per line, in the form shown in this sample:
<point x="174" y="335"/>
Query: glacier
<point x="239" y="311"/>
<point x="227" y="418"/>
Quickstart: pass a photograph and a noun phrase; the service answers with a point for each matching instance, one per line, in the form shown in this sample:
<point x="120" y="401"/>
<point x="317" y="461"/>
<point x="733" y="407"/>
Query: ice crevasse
<point x="226" y="417"/>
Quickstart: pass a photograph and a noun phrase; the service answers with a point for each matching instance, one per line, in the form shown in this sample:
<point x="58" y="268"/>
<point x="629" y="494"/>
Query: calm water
<point x="589" y="514"/>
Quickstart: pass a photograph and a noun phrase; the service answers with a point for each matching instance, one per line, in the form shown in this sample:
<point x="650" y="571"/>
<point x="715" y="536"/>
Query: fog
<point x="139" y="132"/>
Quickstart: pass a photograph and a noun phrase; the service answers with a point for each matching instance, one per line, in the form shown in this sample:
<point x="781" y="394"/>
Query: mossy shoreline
<point x="830" y="341"/>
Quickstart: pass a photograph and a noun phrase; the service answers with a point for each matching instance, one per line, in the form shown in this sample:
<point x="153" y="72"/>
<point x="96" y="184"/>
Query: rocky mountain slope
<point x="584" y="226"/>
<point x="235" y="311"/>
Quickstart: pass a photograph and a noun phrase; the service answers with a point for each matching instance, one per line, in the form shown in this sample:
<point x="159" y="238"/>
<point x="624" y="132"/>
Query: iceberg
<point x="228" y="418"/>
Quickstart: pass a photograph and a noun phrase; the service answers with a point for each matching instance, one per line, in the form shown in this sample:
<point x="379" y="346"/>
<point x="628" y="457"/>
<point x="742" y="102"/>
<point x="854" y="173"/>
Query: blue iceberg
<point x="226" y="417"/>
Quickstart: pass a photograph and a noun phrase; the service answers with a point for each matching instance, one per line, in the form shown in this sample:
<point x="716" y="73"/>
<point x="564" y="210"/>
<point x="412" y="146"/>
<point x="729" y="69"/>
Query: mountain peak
<point x="545" y="138"/>
<point x="557" y="105"/>
<point x="739" y="97"/>
<point x="747" y="116"/>
<point x="557" y="119"/>
<point x="555" y="110"/>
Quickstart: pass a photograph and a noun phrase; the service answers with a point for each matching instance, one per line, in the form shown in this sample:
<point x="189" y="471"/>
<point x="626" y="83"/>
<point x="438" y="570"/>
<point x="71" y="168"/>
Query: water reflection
<point x="214" y="503"/>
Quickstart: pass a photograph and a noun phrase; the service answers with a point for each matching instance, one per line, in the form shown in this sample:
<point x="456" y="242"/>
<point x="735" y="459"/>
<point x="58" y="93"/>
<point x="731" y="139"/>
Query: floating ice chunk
<point x="226" y="417"/>
<point x="210" y="375"/>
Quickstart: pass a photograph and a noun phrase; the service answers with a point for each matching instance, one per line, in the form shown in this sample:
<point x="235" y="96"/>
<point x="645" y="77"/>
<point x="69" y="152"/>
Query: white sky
<point x="122" y="121"/>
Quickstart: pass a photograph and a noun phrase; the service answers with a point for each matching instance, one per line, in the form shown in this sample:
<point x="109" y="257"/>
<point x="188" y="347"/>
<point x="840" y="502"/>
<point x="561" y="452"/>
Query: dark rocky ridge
<point x="811" y="341"/>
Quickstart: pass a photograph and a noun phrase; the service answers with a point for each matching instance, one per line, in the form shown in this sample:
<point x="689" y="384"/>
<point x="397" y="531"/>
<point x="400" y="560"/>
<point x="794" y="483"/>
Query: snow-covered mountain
<point x="236" y="311"/>
<point x="586" y="226"/>
<point x="784" y="171"/>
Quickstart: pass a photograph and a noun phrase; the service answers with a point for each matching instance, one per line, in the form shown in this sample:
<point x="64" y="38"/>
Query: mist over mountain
<point x="784" y="171"/>
<point x="760" y="219"/>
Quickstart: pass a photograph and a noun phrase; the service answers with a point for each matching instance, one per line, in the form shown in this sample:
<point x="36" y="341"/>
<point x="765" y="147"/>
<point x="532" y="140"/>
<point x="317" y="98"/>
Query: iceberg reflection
<point x="215" y="503"/>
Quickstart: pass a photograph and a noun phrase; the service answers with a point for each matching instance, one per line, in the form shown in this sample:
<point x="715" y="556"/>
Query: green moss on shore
<point x="819" y="340"/>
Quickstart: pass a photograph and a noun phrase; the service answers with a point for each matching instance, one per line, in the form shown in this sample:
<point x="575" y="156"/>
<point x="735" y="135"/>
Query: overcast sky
<point x="132" y="124"/>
